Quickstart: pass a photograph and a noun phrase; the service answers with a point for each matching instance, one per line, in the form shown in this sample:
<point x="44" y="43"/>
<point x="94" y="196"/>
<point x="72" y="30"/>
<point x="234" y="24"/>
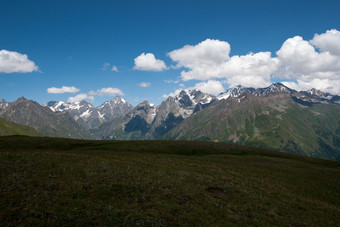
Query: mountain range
<point x="275" y="117"/>
<point x="85" y="114"/>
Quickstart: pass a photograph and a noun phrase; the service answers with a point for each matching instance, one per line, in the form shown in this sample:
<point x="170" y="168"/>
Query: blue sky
<point x="69" y="43"/>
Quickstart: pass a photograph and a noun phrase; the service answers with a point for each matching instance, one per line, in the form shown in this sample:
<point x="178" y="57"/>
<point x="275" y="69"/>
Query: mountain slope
<point x="44" y="120"/>
<point x="274" y="121"/>
<point x="9" y="128"/>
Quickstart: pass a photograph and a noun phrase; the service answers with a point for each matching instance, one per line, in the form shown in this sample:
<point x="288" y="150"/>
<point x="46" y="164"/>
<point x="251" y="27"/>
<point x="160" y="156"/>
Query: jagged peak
<point x="234" y="91"/>
<point x="144" y="103"/>
<point x="317" y="92"/>
<point x="22" y="98"/>
<point x="115" y="101"/>
<point x="182" y="93"/>
<point x="119" y="99"/>
<point x="279" y="86"/>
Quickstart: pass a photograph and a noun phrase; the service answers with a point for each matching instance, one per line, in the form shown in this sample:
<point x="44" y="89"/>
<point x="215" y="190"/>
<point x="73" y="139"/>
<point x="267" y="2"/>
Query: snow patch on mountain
<point x="88" y="115"/>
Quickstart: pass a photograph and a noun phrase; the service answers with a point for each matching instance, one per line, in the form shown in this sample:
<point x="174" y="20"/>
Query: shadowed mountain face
<point x="47" y="122"/>
<point x="133" y="125"/>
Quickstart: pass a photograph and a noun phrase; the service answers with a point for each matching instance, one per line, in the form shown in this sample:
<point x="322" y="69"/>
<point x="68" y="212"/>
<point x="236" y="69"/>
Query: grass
<point x="50" y="181"/>
<point x="11" y="128"/>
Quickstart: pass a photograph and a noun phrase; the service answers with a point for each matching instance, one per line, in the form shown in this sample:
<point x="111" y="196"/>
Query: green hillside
<point x="274" y="122"/>
<point x="10" y="128"/>
<point x="54" y="181"/>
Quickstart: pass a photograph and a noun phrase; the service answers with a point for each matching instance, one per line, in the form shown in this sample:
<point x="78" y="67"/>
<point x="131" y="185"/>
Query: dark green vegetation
<point x="50" y="181"/>
<point x="10" y="128"/>
<point x="274" y="122"/>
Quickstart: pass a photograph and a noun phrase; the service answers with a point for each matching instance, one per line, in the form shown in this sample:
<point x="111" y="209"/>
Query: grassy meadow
<point x="53" y="181"/>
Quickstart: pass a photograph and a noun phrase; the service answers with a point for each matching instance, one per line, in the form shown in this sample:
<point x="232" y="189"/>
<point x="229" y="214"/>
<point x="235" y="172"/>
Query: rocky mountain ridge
<point x="85" y="114"/>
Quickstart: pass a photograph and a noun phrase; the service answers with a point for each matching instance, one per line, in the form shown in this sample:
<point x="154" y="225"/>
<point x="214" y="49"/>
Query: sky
<point x="148" y="50"/>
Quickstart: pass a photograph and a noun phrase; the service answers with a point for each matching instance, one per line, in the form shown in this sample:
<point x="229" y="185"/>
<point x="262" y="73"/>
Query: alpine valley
<point x="275" y="117"/>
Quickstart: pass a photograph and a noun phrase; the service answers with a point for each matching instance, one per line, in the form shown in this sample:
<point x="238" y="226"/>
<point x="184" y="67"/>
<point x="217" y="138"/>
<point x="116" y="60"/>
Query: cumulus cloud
<point x="148" y="62"/>
<point x="108" y="91"/>
<point x="213" y="87"/>
<point x="299" y="60"/>
<point x="301" y="63"/>
<point x="144" y="84"/>
<point x="328" y="41"/>
<point x="207" y="53"/>
<point x="210" y="59"/>
<point x="114" y="68"/>
<point x="326" y="85"/>
<point x="176" y="92"/>
<point x="14" y="62"/>
<point x="251" y="70"/>
<point x="80" y="97"/>
<point x="63" y="89"/>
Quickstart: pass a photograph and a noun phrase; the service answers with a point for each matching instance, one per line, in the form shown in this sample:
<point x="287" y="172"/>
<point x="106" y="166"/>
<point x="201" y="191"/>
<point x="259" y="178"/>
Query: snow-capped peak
<point x="238" y="90"/>
<point x="3" y="104"/>
<point x="320" y="94"/>
<point x="233" y="92"/>
<point x="190" y="98"/>
<point x="274" y="88"/>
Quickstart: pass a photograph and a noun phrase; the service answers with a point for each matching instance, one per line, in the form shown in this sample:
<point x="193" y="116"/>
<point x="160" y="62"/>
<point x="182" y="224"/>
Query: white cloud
<point x="251" y="70"/>
<point x="207" y="53"/>
<point x="105" y="66"/>
<point x="314" y="63"/>
<point x="114" y="68"/>
<point x="326" y="85"/>
<point x="80" y="97"/>
<point x="328" y="41"/>
<point x="14" y="62"/>
<point x="211" y="86"/>
<point x="300" y="61"/>
<point x="210" y="59"/>
<point x="176" y="92"/>
<point x="292" y="85"/>
<point x="144" y="84"/>
<point x="299" y="58"/>
<point x="108" y="91"/>
<point x="148" y="62"/>
<point x="63" y="89"/>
